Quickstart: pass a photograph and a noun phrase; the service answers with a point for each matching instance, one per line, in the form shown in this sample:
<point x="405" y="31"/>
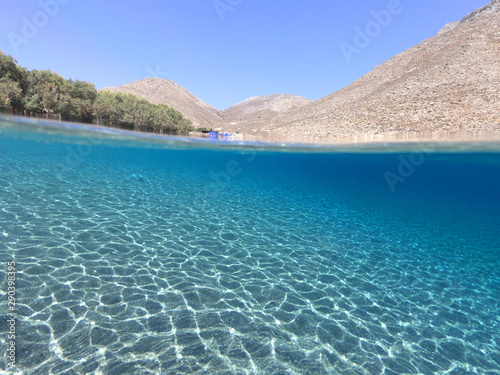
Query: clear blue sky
<point x="243" y="49"/>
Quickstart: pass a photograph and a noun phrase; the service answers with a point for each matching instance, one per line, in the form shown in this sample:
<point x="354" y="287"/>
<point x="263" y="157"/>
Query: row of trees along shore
<point x="43" y="93"/>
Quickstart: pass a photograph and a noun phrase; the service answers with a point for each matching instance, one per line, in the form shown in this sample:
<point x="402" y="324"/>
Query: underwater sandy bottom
<point x="157" y="261"/>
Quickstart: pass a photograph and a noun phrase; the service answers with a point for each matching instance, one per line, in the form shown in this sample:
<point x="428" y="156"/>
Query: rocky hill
<point x="450" y="82"/>
<point x="260" y="108"/>
<point x="158" y="90"/>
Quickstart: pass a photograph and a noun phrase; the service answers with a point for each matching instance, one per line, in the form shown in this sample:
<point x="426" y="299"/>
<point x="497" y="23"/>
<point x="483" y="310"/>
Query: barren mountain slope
<point x="448" y="82"/>
<point x="260" y="107"/>
<point x="157" y="90"/>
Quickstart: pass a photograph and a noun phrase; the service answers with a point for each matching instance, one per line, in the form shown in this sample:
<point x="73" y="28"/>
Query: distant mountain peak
<point x="448" y="27"/>
<point x="449" y="82"/>
<point x="492" y="7"/>
<point x="261" y="108"/>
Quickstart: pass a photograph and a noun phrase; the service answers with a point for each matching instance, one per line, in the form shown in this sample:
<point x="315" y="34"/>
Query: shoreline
<point x="459" y="140"/>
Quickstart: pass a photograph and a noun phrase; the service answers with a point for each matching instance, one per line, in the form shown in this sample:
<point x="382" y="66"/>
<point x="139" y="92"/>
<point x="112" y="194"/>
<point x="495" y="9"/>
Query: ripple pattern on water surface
<point x="128" y="276"/>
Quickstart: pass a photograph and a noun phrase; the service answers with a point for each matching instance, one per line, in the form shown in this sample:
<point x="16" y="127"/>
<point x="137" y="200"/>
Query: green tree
<point x="47" y="93"/>
<point x="10" y="69"/>
<point x="105" y="109"/>
<point x="77" y="101"/>
<point x="10" y="92"/>
<point x="44" y="94"/>
<point x="12" y="82"/>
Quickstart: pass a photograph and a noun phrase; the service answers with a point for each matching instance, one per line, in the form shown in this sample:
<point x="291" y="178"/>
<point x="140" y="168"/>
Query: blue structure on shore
<point x="213" y="135"/>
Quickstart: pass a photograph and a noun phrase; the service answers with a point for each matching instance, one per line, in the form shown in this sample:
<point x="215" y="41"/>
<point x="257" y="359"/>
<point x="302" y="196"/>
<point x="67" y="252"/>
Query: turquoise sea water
<point x="164" y="257"/>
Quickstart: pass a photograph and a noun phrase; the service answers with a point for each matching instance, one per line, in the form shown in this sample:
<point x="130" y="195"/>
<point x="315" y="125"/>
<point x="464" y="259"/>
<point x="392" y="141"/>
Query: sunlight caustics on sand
<point x="151" y="257"/>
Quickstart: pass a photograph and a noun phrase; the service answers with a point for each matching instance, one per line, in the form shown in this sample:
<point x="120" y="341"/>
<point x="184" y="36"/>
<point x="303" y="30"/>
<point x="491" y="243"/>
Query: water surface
<point x="165" y="256"/>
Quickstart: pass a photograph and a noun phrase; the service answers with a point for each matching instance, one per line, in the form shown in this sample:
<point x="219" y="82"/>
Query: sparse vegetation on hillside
<point x="46" y="94"/>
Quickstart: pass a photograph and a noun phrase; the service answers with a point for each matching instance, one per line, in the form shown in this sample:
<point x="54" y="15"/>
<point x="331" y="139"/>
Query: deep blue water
<point x="146" y="258"/>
